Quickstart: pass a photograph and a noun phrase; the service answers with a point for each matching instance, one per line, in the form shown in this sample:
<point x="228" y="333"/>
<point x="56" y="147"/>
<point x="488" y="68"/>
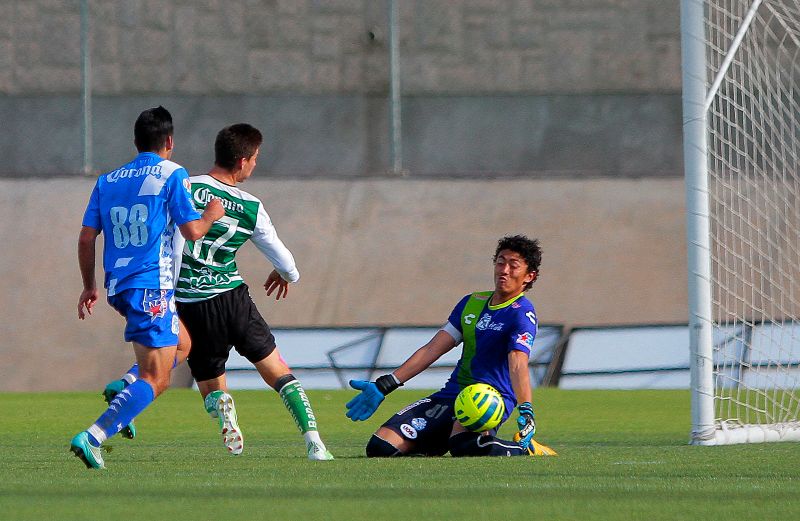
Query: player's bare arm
<point x="193" y="230"/>
<point x="86" y="255"/>
<point x="520" y="376"/>
<point x="423" y="357"/>
<point x="372" y="394"/>
<point x="520" y="381"/>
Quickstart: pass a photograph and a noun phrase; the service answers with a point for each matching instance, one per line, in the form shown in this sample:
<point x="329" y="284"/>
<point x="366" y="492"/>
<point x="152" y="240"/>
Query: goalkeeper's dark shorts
<point x="426" y="423"/>
<point x="216" y="325"/>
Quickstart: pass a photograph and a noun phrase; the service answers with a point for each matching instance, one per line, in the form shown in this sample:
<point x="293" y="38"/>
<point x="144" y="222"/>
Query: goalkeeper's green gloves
<point x="372" y="393"/>
<point x="526" y="424"/>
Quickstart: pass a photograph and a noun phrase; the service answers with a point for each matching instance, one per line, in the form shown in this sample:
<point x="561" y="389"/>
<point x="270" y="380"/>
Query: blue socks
<point x="125" y="406"/>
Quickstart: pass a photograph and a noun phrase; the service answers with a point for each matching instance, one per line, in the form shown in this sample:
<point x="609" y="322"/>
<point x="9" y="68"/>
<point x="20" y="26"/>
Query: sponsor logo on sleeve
<point x="525" y="339"/>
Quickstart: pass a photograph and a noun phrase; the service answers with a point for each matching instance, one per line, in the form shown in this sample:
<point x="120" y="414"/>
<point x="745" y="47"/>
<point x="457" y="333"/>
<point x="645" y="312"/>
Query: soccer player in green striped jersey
<point x="214" y="303"/>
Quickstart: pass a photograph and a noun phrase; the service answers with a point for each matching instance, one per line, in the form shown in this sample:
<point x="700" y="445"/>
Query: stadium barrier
<point x="609" y="357"/>
<point x="327" y="358"/>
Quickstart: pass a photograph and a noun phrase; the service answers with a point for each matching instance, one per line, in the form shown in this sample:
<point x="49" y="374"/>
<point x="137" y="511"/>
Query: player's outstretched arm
<point x="423" y="357"/>
<point x="372" y="394"/>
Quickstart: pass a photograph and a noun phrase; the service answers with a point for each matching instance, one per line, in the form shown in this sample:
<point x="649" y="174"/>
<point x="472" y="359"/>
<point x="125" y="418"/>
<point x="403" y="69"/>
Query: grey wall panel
<point x="347" y="136"/>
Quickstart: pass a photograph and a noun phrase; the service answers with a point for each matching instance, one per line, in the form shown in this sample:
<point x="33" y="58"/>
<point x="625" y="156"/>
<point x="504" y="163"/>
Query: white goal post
<point x="741" y="119"/>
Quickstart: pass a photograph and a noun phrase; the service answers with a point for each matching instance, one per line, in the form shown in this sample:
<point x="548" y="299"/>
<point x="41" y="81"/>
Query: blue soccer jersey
<point x="489" y="334"/>
<point x="137" y="207"/>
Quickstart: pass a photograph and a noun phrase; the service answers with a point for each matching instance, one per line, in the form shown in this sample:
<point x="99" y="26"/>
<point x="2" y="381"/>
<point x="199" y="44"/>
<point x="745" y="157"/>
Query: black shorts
<point x="426" y="423"/>
<point x="216" y="325"/>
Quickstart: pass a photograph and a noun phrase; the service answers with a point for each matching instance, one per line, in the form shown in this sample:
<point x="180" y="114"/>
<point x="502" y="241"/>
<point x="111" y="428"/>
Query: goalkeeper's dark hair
<point x="527" y="248"/>
<point x="239" y="141"/>
<point x="152" y="128"/>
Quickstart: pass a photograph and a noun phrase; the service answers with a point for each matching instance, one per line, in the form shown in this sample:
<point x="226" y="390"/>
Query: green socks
<point x="296" y="402"/>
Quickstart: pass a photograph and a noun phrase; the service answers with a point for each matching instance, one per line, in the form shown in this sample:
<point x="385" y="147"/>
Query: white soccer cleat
<point x="232" y="437"/>
<point x="318" y="452"/>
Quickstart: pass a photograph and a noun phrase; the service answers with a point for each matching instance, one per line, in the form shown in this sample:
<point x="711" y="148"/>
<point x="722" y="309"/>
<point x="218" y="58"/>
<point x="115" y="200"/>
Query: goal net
<point x="741" y="66"/>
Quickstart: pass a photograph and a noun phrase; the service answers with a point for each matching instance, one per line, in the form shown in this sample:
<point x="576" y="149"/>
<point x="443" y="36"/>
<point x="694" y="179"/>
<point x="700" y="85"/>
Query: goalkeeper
<point x="214" y="303"/>
<point x="497" y="329"/>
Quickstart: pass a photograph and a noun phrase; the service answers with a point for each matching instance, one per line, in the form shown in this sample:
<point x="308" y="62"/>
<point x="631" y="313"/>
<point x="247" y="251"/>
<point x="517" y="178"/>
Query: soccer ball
<point x="479" y="407"/>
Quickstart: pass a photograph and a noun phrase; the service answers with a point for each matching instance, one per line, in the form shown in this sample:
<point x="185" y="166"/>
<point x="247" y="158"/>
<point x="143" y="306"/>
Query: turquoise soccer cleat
<point x="111" y="390"/>
<point x="90" y="455"/>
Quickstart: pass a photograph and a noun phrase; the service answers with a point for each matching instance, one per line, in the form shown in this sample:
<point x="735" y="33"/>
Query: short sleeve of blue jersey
<point x="523" y="330"/>
<point x="92" y="215"/>
<point x="455" y="315"/>
<point x="179" y="198"/>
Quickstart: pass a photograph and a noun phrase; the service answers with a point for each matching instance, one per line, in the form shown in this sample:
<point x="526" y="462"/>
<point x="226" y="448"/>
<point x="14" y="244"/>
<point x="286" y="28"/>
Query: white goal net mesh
<point x="754" y="197"/>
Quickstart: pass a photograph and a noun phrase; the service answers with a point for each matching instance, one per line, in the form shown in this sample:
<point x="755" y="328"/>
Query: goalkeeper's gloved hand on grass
<point x="527" y="427"/>
<point x="372" y="393"/>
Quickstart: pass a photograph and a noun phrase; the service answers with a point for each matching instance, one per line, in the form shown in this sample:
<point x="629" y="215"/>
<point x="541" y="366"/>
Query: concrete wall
<point x="500" y="87"/>
<point x="346" y="136"/>
<point x="212" y="47"/>
<point x="370" y="252"/>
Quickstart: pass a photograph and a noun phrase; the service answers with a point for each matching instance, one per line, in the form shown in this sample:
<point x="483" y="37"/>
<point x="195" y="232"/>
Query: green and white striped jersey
<point x="208" y="266"/>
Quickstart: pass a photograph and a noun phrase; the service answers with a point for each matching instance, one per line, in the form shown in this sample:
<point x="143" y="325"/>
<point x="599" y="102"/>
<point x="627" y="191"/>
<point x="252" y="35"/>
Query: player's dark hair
<point x="527" y="248"/>
<point x="236" y="142"/>
<point x="152" y="128"/>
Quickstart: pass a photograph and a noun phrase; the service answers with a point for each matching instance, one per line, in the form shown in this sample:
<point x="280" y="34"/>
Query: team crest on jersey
<point x="419" y="423"/>
<point x="525" y="339"/>
<point x="155" y="303"/>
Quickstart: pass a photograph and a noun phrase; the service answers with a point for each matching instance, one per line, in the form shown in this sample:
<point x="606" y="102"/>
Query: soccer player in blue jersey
<point x="137" y="207"/>
<point x="497" y="329"/>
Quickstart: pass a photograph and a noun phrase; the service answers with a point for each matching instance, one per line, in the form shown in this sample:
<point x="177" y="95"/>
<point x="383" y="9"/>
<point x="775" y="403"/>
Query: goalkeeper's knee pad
<point x="380" y="448"/>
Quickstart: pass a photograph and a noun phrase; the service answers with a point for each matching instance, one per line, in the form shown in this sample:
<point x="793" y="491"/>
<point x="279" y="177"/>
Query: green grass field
<point x="623" y="455"/>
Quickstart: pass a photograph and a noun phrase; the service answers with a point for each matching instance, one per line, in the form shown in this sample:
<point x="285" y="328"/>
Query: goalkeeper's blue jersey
<point x="498" y="330"/>
<point x="137" y="207"/>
